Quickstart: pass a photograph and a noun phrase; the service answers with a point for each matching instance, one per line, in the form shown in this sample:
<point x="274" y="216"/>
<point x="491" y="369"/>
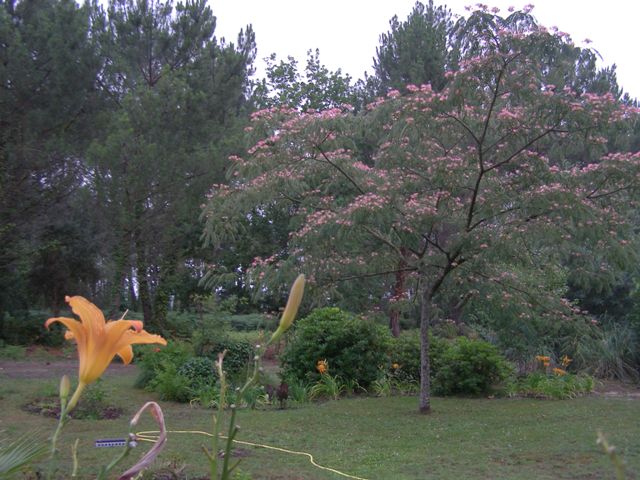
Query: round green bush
<point x="404" y="351"/>
<point x="238" y="357"/>
<point x="200" y="371"/>
<point x="469" y="367"/>
<point x="354" y="348"/>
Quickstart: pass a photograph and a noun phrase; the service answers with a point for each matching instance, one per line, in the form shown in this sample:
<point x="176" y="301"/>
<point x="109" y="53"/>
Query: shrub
<point x="153" y="360"/>
<point x="200" y="371"/>
<point x="404" y="352"/>
<point x="25" y="327"/>
<point x="354" y="348"/>
<point x="239" y="352"/>
<point x="178" y="375"/>
<point x="469" y="367"/>
<point x="171" y="385"/>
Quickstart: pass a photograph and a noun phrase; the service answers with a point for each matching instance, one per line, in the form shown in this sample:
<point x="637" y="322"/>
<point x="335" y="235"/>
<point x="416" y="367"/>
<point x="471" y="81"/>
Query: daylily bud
<point x="65" y="388"/>
<point x="290" y="311"/>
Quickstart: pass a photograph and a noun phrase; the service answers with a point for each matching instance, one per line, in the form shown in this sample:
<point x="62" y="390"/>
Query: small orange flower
<point x="560" y="372"/>
<point x="322" y="366"/>
<point x="546" y="363"/>
<point x="395" y="366"/>
<point x="566" y="361"/>
<point x="543" y="358"/>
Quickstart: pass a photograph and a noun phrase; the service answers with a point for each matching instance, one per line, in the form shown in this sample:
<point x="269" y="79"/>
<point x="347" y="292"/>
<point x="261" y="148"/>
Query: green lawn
<point x="372" y="438"/>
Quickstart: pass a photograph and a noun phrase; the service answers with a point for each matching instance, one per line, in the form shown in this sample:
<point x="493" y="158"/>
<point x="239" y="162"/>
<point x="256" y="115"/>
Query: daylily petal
<point x="74" y="327"/>
<point x="91" y="316"/>
<point x="94" y="366"/>
<point x="117" y="327"/>
<point x="126" y="354"/>
<point x="132" y="338"/>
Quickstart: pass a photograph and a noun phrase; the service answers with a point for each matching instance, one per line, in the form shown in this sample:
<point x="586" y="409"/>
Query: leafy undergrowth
<point x="373" y="438"/>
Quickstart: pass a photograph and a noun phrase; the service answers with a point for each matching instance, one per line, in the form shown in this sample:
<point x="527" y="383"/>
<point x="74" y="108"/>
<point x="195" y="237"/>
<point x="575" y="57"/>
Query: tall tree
<point x="415" y="51"/>
<point x="178" y="103"/>
<point x="317" y="88"/>
<point x="466" y="194"/>
<point x="48" y="66"/>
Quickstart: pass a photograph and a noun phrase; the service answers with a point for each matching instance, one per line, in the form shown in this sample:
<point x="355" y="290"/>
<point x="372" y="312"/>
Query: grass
<point x="373" y="438"/>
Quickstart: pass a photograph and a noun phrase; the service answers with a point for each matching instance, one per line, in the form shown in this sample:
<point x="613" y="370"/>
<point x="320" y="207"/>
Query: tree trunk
<point x="394" y="323"/>
<point x="144" y="295"/>
<point x="163" y="291"/>
<point x="398" y="292"/>
<point x="394" y="315"/>
<point x="119" y="277"/>
<point x="133" y="300"/>
<point x="425" y="367"/>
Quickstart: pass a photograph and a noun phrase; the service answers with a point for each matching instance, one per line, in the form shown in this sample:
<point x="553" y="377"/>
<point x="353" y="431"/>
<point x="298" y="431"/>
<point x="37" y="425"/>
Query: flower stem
<point x="65" y="408"/>
<point x="125" y="452"/>
<point x="76" y="396"/>
<point x="74" y="454"/>
<point x="217" y="419"/>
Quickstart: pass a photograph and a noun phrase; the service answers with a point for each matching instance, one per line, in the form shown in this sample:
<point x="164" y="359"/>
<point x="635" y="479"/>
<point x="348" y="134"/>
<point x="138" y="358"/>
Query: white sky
<point x="347" y="31"/>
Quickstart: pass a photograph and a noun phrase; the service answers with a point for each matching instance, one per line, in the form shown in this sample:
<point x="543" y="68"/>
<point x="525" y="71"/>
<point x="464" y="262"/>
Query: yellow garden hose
<point x="151" y="436"/>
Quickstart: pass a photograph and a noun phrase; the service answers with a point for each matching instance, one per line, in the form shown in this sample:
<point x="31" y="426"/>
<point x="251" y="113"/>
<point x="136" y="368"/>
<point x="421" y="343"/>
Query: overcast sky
<point x="347" y="31"/>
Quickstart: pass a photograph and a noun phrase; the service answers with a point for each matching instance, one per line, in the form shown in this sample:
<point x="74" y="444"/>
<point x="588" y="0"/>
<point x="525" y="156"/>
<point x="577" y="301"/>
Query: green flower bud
<point x="291" y="310"/>
<point x="65" y="388"/>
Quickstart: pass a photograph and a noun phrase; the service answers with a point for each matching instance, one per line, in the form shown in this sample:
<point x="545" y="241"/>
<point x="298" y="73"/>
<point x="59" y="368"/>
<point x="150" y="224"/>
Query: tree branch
<point x="373" y="274"/>
<point x="337" y="167"/>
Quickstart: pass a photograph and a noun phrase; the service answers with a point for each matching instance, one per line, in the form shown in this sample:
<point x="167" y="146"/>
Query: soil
<point x="617" y="389"/>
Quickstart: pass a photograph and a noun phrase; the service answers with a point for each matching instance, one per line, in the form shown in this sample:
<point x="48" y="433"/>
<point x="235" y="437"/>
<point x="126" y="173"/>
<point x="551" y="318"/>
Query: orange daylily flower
<point x="99" y="341"/>
<point x="322" y="366"/>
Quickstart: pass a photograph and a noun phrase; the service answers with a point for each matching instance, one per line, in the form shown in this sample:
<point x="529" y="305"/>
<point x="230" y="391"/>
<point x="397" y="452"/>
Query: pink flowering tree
<point x="469" y="191"/>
